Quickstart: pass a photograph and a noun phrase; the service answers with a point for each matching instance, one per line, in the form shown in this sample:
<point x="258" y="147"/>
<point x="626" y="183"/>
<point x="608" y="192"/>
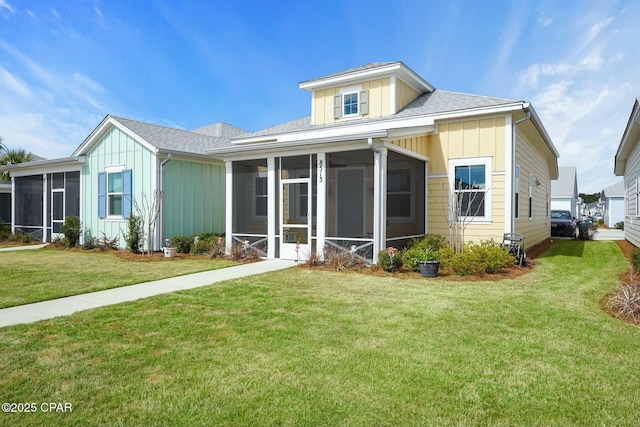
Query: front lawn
<point x="311" y="347"/>
<point x="43" y="274"/>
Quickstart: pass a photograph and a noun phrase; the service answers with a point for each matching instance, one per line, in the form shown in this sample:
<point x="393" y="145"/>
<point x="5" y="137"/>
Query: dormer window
<point x="352" y="102"/>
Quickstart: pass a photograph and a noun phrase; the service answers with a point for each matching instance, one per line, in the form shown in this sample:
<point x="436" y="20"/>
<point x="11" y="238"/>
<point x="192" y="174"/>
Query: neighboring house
<point x="121" y="164"/>
<point x="612" y="199"/>
<point x="564" y="191"/>
<point x="627" y="165"/>
<point x="379" y="161"/>
<point x="5" y="202"/>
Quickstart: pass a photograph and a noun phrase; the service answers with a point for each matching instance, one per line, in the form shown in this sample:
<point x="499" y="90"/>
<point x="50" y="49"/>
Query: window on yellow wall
<point x="470" y="180"/>
<point x="530" y="196"/>
<point x="517" y="191"/>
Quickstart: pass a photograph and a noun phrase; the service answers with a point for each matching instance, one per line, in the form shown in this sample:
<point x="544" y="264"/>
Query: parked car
<point x="563" y="224"/>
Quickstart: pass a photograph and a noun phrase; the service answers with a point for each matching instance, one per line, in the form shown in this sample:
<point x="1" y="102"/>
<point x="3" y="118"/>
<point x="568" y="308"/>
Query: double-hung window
<point x="470" y="183"/>
<point x="114" y="193"/>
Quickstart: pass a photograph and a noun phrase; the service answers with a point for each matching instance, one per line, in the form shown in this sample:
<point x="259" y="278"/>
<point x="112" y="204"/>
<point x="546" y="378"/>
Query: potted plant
<point x="169" y="251"/>
<point x="429" y="263"/>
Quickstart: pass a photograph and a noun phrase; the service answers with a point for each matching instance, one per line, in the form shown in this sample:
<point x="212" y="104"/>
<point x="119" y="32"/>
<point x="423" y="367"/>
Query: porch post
<point x="13" y="205"/>
<point x="271" y="207"/>
<point x="379" y="200"/>
<point x="228" y="205"/>
<point x="45" y="219"/>
<point x="321" y="204"/>
<point x="426" y="197"/>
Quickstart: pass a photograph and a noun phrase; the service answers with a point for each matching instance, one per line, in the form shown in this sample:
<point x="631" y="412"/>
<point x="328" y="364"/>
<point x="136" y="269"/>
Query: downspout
<point x="514" y="135"/>
<point x="161" y="221"/>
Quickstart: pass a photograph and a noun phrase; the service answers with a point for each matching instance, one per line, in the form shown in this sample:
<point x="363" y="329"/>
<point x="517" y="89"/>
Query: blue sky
<point x="66" y="64"/>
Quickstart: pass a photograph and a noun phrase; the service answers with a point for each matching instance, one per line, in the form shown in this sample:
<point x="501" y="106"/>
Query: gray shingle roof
<point x="433" y="103"/>
<point x="352" y="70"/>
<point x="615" y="190"/>
<point x="565" y="185"/>
<point x="165" y="138"/>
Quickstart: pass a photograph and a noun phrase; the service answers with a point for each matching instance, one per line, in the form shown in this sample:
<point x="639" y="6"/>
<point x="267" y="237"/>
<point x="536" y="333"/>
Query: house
<point x="627" y="165"/>
<point x="121" y="166"/>
<point x="564" y="191"/>
<point x="612" y="198"/>
<point x="383" y="157"/>
<point x="5" y="202"/>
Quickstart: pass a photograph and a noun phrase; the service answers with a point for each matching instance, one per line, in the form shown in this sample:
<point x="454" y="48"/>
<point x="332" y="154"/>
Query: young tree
<point x="147" y="212"/>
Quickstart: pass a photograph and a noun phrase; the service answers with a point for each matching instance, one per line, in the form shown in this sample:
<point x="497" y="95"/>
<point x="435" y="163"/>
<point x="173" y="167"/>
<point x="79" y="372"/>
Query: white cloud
<point x="530" y="77"/>
<point x="32" y="15"/>
<point x="98" y="12"/>
<point x="11" y="83"/>
<point x="5" y="5"/>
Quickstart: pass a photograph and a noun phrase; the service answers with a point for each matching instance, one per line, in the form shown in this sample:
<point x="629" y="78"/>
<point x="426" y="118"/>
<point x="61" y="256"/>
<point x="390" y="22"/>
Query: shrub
<point x="389" y="259"/>
<point x="71" y="230"/>
<point x="216" y="248"/>
<point x="5" y="230"/>
<point x="624" y="303"/>
<point x="619" y="225"/>
<point x="135" y="237"/>
<point x="417" y="247"/>
<point x="25" y="237"/>
<point x="106" y="243"/>
<point x="204" y="242"/>
<point x="635" y="259"/>
<point x="477" y="259"/>
<point x="341" y="259"/>
<point x="90" y="242"/>
<point x="182" y="243"/>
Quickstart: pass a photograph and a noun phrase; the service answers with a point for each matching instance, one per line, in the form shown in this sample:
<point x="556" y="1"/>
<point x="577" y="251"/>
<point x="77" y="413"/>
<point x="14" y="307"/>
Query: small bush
<point x="134" y="237"/>
<point x="107" y="244"/>
<point x="216" y="249"/>
<point x="341" y="259"/>
<point x="313" y="260"/>
<point x="417" y="247"/>
<point x="182" y="243"/>
<point x="71" y="230"/>
<point x="477" y="259"/>
<point x="204" y="242"/>
<point x="5" y="230"/>
<point x="236" y="251"/>
<point x="90" y="242"/>
<point x="620" y="225"/>
<point x="635" y="259"/>
<point x="389" y="259"/>
<point x="624" y="303"/>
<point x="25" y="237"/>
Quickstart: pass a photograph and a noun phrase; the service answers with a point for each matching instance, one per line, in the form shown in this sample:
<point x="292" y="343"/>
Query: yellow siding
<point x="533" y="160"/>
<point x="417" y="144"/>
<point x="470" y="138"/>
<point x="379" y="100"/>
<point x="404" y="94"/>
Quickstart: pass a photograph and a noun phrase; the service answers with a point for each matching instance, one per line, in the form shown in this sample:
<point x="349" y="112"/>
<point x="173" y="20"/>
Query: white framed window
<point x="352" y="102"/>
<point x="114" y="194"/>
<point x="516" y="184"/>
<point x="470" y="183"/>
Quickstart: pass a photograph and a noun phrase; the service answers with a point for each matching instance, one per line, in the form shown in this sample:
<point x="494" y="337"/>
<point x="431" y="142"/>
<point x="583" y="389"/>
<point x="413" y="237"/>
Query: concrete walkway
<point x="608" y="234"/>
<point x="30" y="313"/>
<point x="23" y="248"/>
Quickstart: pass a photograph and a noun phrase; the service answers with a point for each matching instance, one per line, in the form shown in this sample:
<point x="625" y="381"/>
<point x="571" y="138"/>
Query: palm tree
<point x="11" y="157"/>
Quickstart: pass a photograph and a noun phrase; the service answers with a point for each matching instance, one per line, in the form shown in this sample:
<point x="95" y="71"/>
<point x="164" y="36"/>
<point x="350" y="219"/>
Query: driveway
<point x="608" y="234"/>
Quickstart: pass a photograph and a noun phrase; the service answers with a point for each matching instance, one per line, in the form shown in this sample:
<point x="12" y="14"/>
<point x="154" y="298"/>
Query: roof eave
<point x="631" y="133"/>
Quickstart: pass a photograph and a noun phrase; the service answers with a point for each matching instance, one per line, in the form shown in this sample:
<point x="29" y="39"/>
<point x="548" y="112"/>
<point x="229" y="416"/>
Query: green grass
<point x="307" y="347"/>
<point x="43" y="274"/>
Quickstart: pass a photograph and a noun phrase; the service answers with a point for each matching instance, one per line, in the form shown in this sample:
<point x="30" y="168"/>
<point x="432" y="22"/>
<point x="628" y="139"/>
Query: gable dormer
<point x="374" y="90"/>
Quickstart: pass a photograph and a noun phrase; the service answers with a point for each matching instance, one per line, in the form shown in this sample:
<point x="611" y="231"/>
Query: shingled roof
<point x="566" y="184"/>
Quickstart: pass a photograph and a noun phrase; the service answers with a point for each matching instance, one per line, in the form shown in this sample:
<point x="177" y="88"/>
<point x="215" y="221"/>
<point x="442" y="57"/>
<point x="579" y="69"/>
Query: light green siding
<point x="115" y="148"/>
<point x="194" y="197"/>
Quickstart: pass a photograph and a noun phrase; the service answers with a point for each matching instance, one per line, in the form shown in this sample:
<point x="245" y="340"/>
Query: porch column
<point x="321" y="207"/>
<point x="379" y="200"/>
<point x="228" y="205"/>
<point x="45" y="218"/>
<point x="426" y="197"/>
<point x="13" y="204"/>
<point x="271" y="207"/>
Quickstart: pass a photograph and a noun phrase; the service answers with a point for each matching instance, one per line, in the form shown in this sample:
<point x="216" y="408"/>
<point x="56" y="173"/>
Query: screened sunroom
<point x="360" y="201"/>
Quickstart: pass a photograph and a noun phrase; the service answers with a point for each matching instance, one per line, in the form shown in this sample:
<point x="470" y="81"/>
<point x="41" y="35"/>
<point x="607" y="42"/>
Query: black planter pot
<point x="429" y="268"/>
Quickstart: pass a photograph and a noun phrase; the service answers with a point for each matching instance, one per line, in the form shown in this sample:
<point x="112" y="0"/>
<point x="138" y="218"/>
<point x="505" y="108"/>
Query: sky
<point x="66" y="64"/>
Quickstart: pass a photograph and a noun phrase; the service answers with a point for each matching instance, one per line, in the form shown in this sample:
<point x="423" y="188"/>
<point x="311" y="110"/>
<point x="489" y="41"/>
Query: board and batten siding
<point x="536" y="226"/>
<point x="632" y="216"/>
<point x="115" y="148"/>
<point x="194" y="198"/>
<point x="379" y="100"/>
<point x="481" y="137"/>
